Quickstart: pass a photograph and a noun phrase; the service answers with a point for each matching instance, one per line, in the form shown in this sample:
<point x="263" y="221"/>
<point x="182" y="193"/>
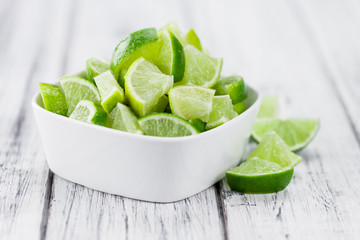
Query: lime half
<point x="296" y="133"/>
<point x="90" y="112"/>
<point x="95" y="67"/>
<point x="259" y="176"/>
<point x="144" y="85"/>
<point x="53" y="98"/>
<point x="123" y="119"/>
<point x="200" y="69"/>
<point x="166" y="125"/>
<point x="274" y="149"/>
<point x="77" y="89"/>
<point x="191" y="102"/>
<point x="269" y="107"/>
<point x="221" y="112"/>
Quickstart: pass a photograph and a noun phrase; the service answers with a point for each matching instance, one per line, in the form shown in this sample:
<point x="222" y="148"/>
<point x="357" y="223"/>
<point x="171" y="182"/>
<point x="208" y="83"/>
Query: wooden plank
<point x="271" y="49"/>
<point x="29" y="56"/>
<point x="77" y="212"/>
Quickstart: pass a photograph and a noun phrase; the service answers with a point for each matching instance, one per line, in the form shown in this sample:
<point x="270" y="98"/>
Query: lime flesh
<point x="53" y="98"/>
<point x="122" y="118"/>
<point x="95" y="67"/>
<point x="193" y="39"/>
<point x="90" y="112"/>
<point x="222" y="111"/>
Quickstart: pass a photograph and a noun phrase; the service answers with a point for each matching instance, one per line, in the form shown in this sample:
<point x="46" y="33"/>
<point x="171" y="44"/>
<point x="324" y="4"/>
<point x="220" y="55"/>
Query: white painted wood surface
<point x="307" y="52"/>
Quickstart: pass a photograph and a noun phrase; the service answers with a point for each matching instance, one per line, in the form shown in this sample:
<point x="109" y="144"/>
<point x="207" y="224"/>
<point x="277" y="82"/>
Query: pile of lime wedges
<point x="162" y="82"/>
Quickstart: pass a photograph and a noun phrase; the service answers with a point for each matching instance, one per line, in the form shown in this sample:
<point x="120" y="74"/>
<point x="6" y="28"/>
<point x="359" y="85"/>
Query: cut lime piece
<point x="274" y="149"/>
<point x="191" y="102"/>
<point x="259" y="176"/>
<point x="77" y="89"/>
<point x="144" y="85"/>
<point x="110" y="91"/>
<point x="166" y="125"/>
<point x="53" y="98"/>
<point x="90" y="112"/>
<point x="174" y="28"/>
<point x="234" y="86"/>
<point x="269" y="107"/>
<point x="240" y="107"/>
<point x="131" y="48"/>
<point x="193" y="39"/>
<point x="198" y="124"/>
<point x="161" y="104"/>
<point x="171" y="57"/>
<point x="122" y="118"/>
<point x="221" y="112"/>
<point x="296" y="133"/>
<point x="95" y="67"/>
<point x="200" y="69"/>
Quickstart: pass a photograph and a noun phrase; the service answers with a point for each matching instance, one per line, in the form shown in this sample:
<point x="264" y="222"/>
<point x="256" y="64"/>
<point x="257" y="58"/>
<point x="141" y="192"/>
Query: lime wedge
<point x="274" y="149"/>
<point x="191" y="102"/>
<point x="268" y="107"/>
<point x="221" y="112"/>
<point x="95" y="67"/>
<point x="259" y="176"/>
<point x="171" y="58"/>
<point x="110" y="91"/>
<point x="193" y="39"/>
<point x="53" y="98"/>
<point x="234" y="86"/>
<point x="296" y="133"/>
<point x="240" y="107"/>
<point x="122" y="118"/>
<point x="161" y="104"/>
<point x="174" y="28"/>
<point x="200" y="69"/>
<point x="144" y="85"/>
<point x="135" y="45"/>
<point x="198" y="124"/>
<point x="90" y="112"/>
<point x="166" y="125"/>
<point x="77" y="89"/>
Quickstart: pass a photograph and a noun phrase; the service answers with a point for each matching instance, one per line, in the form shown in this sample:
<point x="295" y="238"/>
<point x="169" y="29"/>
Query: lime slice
<point x="274" y="149"/>
<point x="166" y="125"/>
<point x="53" y="98"/>
<point x="90" y="112"/>
<point x="144" y="85"/>
<point x="77" y="89"/>
<point x="234" y="86"/>
<point x="191" y="102"/>
<point x="161" y="104"/>
<point x="200" y="69"/>
<point x="221" y="112"/>
<point x="296" y="133"/>
<point x="95" y="67"/>
<point x="110" y="91"/>
<point x="193" y="39"/>
<point x="135" y="45"/>
<point x="174" y="28"/>
<point x="240" y="107"/>
<point x="259" y="176"/>
<point x="198" y="124"/>
<point x="123" y="119"/>
<point x="268" y="107"/>
<point x="171" y="58"/>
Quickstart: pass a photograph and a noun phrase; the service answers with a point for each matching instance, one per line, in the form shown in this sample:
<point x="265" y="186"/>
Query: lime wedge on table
<point x="274" y="149"/>
<point x="193" y="39"/>
<point x="144" y="85"/>
<point x="90" y="112"/>
<point x="200" y="69"/>
<point x="191" y="102"/>
<point x="269" y="107"/>
<point x="166" y="125"/>
<point x="77" y="89"/>
<point x="259" y="176"/>
<point x="296" y="133"/>
<point x="171" y="58"/>
<point x="110" y="91"/>
<point x="122" y="118"/>
<point x="234" y="86"/>
<point x="198" y="124"/>
<point x="161" y="104"/>
<point x="95" y="67"/>
<point x="141" y="43"/>
<point x="221" y="112"/>
<point x="53" y="98"/>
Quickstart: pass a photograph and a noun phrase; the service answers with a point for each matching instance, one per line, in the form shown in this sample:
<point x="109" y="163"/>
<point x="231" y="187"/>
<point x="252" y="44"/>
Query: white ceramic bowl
<point x="142" y="167"/>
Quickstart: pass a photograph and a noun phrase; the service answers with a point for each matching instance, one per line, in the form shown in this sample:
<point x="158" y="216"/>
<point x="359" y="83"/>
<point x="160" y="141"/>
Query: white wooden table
<point x="306" y="52"/>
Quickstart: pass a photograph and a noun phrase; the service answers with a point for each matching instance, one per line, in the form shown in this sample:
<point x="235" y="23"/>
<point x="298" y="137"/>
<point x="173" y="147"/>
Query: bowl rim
<point x="213" y="131"/>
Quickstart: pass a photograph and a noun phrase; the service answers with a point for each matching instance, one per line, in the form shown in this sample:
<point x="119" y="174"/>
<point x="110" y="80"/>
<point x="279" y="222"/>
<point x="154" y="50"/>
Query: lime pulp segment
<point x="90" y="112"/>
<point x="53" y="98"/>
<point x="222" y="111"/>
<point x="122" y="118"/>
